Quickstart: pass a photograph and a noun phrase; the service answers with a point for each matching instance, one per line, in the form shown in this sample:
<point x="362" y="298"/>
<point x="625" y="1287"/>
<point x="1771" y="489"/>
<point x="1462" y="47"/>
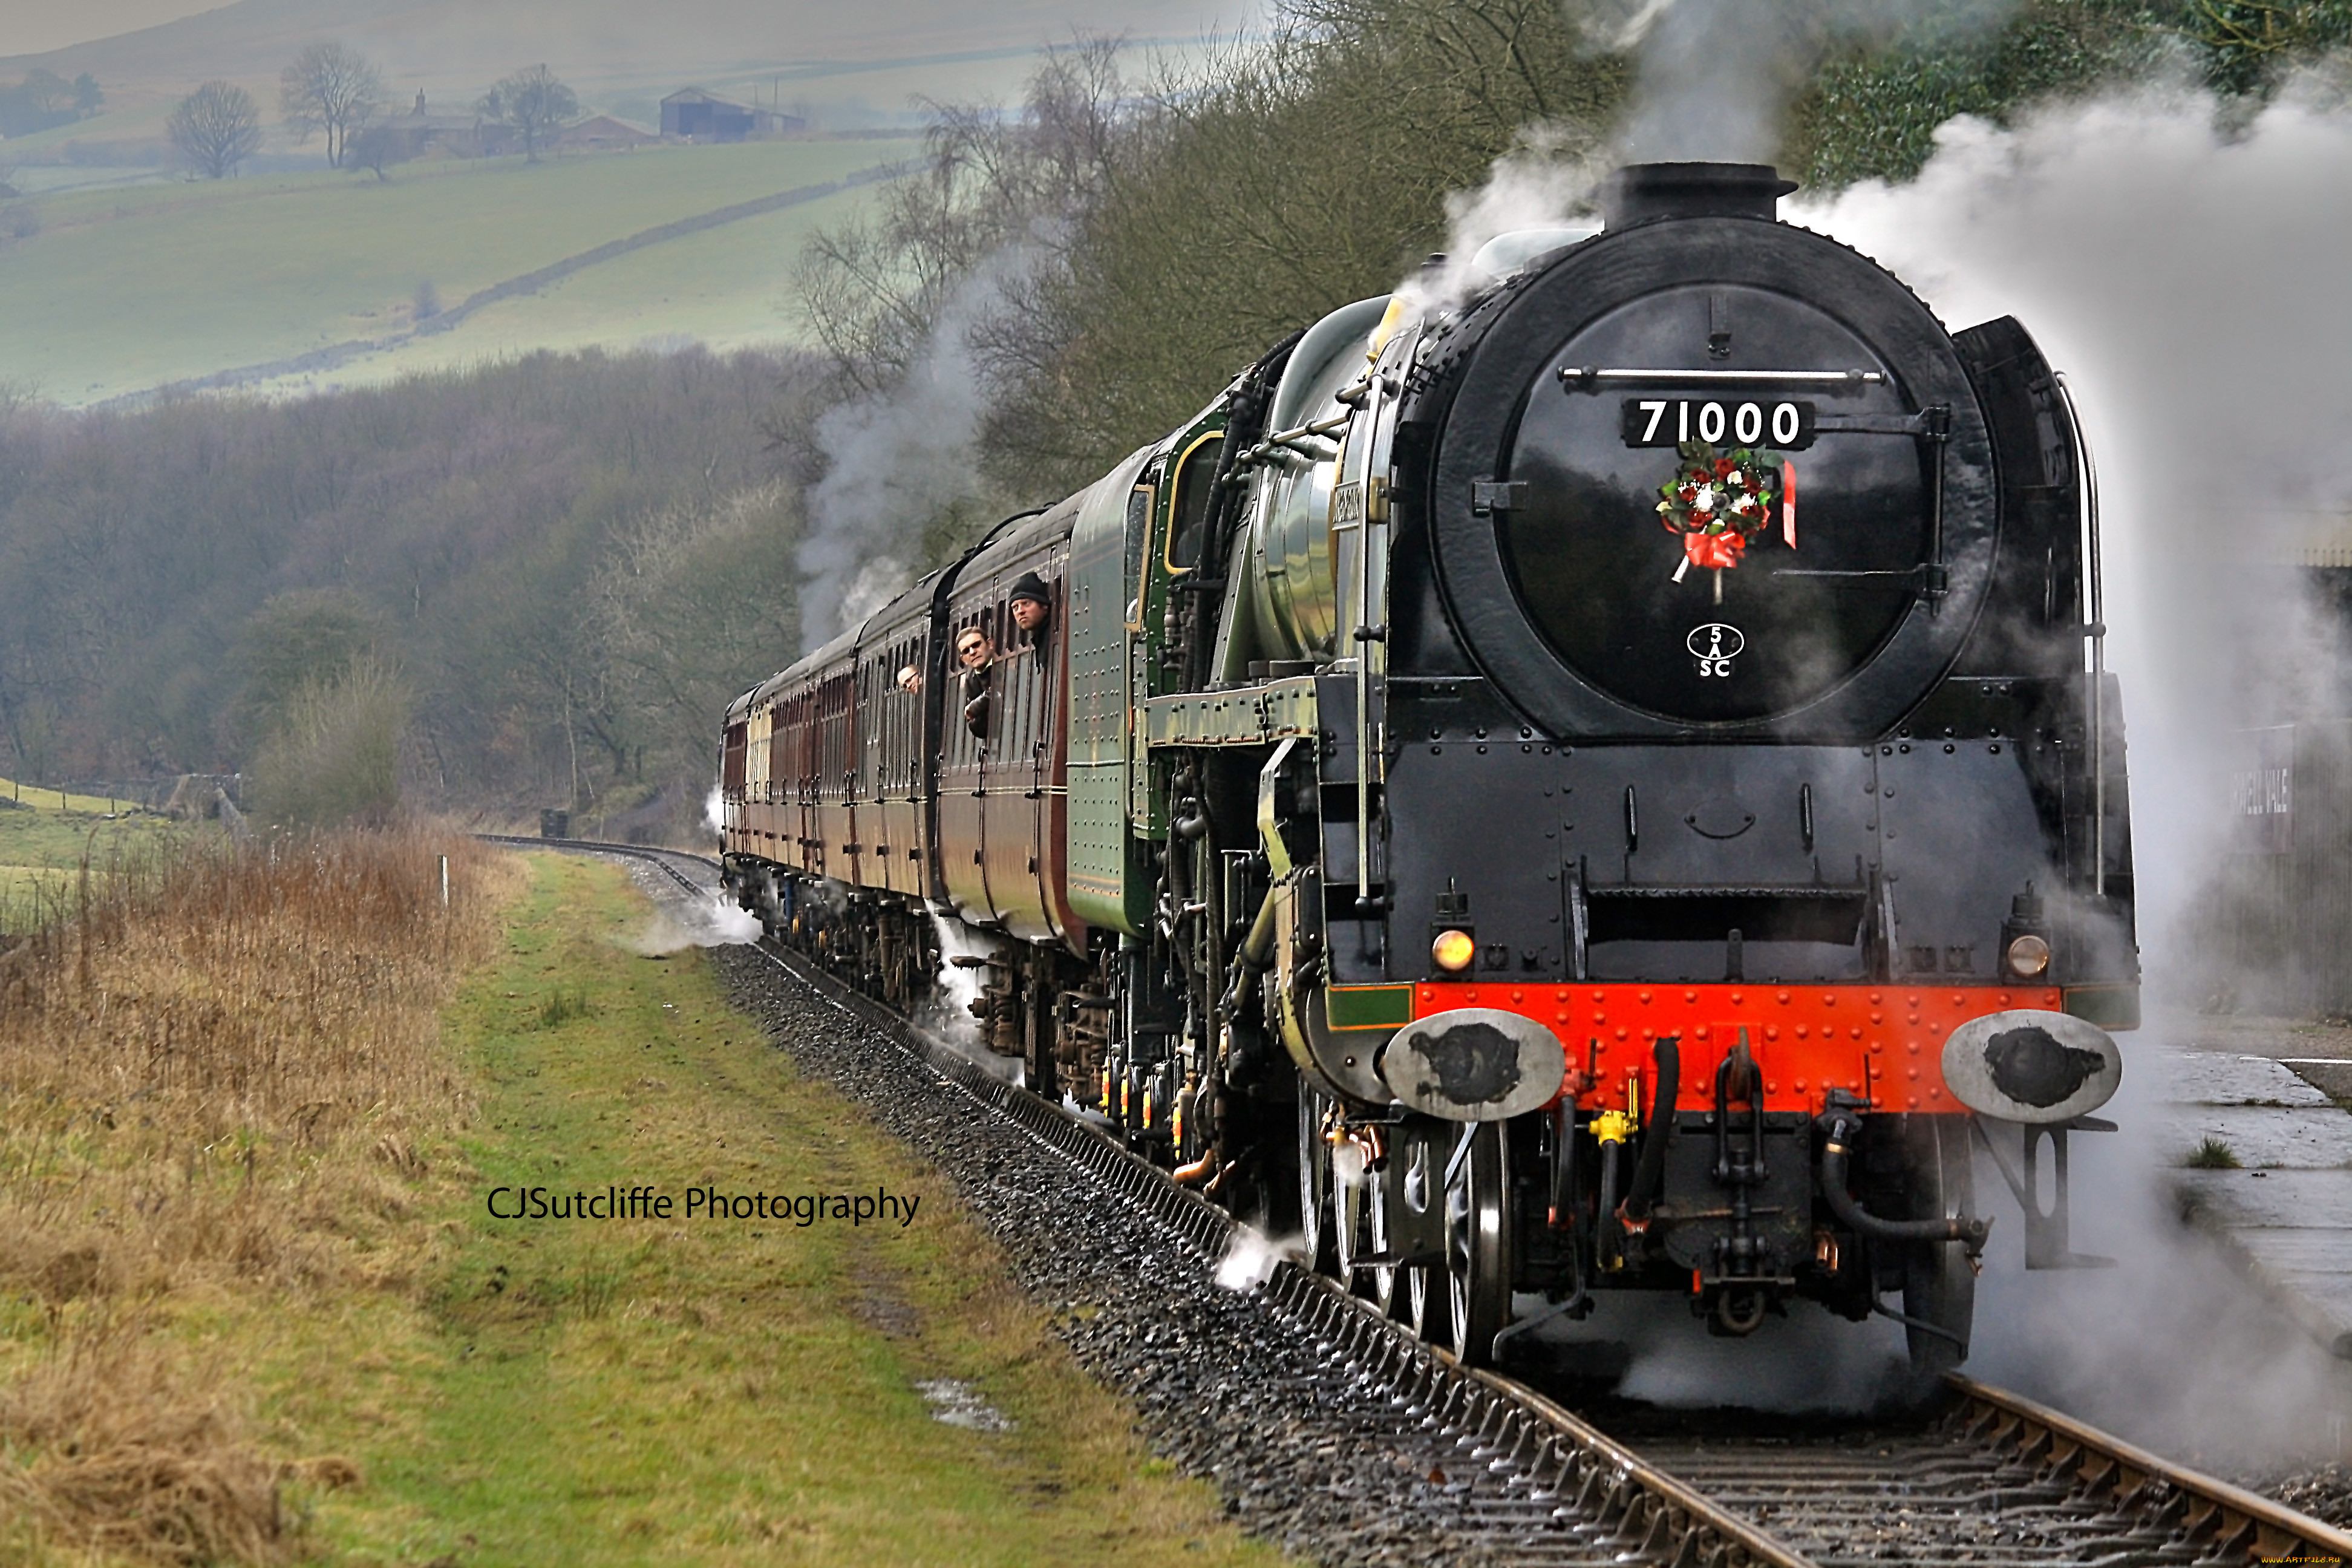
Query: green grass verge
<point x="612" y="1392"/>
<point x="137" y="287"/>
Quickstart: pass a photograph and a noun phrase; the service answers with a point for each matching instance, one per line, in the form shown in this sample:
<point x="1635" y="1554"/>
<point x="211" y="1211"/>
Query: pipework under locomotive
<point x="1608" y="786"/>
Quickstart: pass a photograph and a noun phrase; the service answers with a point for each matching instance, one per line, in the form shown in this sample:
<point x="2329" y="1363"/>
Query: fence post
<point x="445" y="881"/>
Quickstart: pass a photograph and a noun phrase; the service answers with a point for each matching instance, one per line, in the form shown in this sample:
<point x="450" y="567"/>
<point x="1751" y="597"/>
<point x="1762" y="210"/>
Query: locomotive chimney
<point x="1639" y="193"/>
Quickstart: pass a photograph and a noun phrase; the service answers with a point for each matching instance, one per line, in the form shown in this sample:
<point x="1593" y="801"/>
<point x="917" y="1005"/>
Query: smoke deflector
<point x="2033" y="1066"/>
<point x="1473" y="1064"/>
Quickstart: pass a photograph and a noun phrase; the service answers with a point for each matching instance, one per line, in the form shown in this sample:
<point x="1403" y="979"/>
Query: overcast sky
<point x="33" y="26"/>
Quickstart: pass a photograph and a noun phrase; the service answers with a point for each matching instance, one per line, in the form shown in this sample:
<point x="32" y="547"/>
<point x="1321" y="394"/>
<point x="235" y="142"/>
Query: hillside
<point x="609" y="46"/>
<point x="521" y="542"/>
<point x="131" y="289"/>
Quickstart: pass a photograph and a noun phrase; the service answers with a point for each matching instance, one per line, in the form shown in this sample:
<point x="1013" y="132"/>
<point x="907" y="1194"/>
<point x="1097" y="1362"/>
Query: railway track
<point x="1988" y="1479"/>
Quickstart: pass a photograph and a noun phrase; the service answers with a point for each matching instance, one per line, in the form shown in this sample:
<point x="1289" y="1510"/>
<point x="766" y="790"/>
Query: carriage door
<point x="806" y="749"/>
<point x="1047" y="744"/>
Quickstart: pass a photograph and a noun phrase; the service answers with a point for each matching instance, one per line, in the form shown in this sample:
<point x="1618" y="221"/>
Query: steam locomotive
<point x="1609" y="784"/>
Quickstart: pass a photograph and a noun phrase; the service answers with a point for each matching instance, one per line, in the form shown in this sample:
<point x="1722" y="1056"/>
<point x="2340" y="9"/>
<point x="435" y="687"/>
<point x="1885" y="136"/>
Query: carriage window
<point x="1189" y="511"/>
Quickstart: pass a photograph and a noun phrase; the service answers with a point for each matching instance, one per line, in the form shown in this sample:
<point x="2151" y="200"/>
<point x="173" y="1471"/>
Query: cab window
<point x="1187" y="522"/>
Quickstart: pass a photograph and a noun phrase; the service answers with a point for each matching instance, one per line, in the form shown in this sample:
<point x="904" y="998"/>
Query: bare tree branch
<point x="215" y="128"/>
<point x="329" y="88"/>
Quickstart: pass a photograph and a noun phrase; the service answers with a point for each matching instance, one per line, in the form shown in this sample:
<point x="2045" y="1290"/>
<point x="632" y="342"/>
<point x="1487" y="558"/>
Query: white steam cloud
<point x="1534" y="188"/>
<point x="2187" y="284"/>
<point x="1714" y="80"/>
<point x="718" y="923"/>
<point x="1251" y="1255"/>
<point x="947" y="1016"/>
<point x="2186" y="281"/>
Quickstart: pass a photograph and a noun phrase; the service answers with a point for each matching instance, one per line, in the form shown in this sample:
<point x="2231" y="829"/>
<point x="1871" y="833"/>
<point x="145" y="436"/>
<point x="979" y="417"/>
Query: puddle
<point x="954" y="1404"/>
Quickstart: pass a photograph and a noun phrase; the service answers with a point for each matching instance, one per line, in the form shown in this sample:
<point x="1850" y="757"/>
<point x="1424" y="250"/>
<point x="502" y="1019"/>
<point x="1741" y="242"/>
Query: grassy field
<point x="726" y="288"/>
<point x="276" y="1276"/>
<point x="45" y="834"/>
<point x="133" y="288"/>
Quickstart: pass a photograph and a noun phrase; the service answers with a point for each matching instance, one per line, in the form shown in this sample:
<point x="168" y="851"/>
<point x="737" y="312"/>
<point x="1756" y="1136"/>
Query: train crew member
<point x="1032" y="607"/>
<point x="974" y="653"/>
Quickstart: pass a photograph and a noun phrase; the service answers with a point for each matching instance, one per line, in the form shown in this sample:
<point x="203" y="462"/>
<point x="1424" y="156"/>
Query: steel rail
<point x="2229" y="1518"/>
<point x="1554" y="1457"/>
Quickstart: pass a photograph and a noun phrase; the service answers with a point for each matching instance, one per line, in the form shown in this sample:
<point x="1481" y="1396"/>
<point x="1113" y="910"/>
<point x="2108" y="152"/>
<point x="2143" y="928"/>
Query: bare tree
<point x="989" y="189"/>
<point x="215" y="128"/>
<point x="332" y="88"/>
<point x="535" y="103"/>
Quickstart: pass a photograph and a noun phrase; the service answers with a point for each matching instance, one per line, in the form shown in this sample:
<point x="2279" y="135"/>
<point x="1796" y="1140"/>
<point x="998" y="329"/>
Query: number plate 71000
<point x="1785" y="424"/>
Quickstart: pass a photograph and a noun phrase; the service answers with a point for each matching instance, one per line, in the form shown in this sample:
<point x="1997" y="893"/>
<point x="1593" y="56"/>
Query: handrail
<point x="2095" y="605"/>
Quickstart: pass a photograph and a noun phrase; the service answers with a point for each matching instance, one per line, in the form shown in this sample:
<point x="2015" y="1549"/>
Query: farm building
<point x="602" y="133"/>
<point x="694" y="115"/>
<point x="420" y="134"/>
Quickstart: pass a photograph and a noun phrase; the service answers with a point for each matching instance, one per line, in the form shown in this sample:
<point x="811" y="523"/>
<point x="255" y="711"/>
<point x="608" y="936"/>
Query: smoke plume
<point x="895" y="462"/>
<point x="1713" y="81"/>
<point x="1715" y="75"/>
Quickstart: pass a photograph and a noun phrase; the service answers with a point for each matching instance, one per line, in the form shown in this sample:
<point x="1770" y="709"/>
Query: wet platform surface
<point x="2271" y="1093"/>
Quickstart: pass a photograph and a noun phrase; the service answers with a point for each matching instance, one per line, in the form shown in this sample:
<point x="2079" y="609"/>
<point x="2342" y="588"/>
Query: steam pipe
<point x="1650" y="1172"/>
<point x="1185" y="1175"/>
<point x="1257" y="957"/>
<point x="1837" y="1128"/>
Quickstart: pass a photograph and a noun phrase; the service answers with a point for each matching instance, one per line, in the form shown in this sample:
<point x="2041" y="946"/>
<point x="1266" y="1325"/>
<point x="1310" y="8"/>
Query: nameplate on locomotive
<point x="1347" y="504"/>
<point x="1785" y="424"/>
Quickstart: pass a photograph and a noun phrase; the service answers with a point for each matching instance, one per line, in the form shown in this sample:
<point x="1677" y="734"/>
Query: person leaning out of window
<point x="1033" y="609"/>
<point x="974" y="655"/>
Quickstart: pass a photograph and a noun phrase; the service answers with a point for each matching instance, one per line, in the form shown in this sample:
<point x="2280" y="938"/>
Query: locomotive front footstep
<point x="1608" y="784"/>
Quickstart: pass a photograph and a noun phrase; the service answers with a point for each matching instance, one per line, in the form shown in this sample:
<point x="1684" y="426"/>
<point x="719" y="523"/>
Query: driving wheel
<point x="1940" y="1288"/>
<point x="1314" y="1182"/>
<point x="1478" y="1243"/>
<point x="1379" y="1280"/>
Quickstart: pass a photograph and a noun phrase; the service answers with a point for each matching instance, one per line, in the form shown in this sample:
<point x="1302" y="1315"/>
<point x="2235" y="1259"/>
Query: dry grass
<point x="113" y="1448"/>
<point x="220" y="1074"/>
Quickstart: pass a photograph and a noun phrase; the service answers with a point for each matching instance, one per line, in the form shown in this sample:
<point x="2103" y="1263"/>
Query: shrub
<point x="334" y="756"/>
